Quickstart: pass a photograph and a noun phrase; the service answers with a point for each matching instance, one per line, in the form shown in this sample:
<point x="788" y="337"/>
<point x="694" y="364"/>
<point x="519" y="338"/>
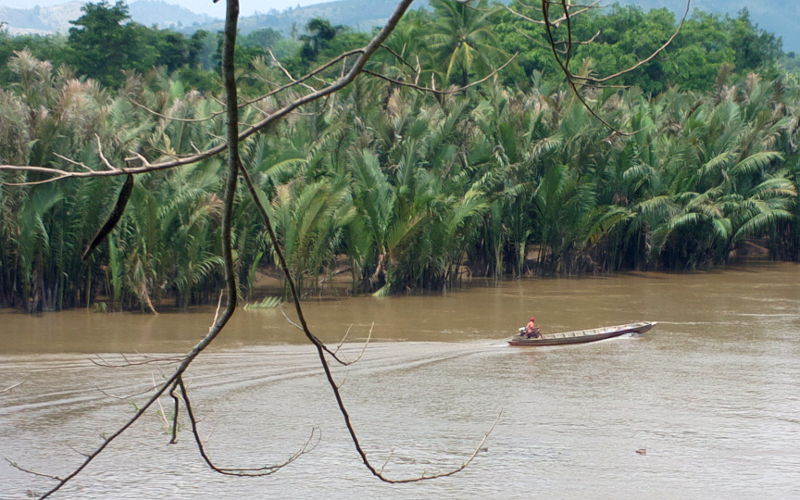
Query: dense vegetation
<point x="405" y="189"/>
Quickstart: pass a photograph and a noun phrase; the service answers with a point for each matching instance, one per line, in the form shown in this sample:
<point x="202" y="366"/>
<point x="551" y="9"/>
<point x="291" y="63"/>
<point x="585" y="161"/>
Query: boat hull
<point x="583" y="336"/>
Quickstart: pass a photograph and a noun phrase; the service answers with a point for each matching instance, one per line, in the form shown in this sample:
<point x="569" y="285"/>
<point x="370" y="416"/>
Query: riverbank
<point x="482" y="309"/>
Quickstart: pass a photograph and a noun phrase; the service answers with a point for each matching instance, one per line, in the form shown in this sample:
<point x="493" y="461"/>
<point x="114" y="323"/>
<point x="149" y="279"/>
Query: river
<point x="704" y="406"/>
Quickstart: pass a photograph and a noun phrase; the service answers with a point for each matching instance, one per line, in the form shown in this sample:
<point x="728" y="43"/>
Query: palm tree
<point x="461" y="39"/>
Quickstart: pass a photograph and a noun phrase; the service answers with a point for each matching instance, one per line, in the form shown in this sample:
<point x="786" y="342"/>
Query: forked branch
<point x="234" y="168"/>
<point x="432" y="90"/>
<point x="265" y="470"/>
<point x="563" y="50"/>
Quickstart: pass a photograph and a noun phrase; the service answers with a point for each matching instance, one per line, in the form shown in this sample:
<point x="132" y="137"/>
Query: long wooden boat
<point x="582" y="336"/>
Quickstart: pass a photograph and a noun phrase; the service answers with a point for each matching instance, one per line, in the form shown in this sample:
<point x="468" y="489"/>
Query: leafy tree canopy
<point x="621" y="36"/>
<point x="103" y="43"/>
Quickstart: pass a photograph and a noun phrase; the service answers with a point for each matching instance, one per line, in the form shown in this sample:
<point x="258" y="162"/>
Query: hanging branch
<point x="292" y="83"/>
<point x="551" y="24"/>
<point x="322" y="349"/>
<point x="238" y="471"/>
<point x="116" y="214"/>
<point x="175" y="410"/>
<point x="227" y="251"/>
<point x="234" y="168"/>
<point x="285" y="268"/>
<point x="548" y="26"/>
<point x="364" y="55"/>
<point x="646" y="59"/>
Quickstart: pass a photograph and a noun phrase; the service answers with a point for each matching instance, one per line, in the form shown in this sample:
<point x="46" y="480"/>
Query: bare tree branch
<point x="266" y="470"/>
<point x="355" y="69"/>
<point x="363" y="347"/>
<point x="441" y="92"/>
<point x="286" y="72"/>
<point x="176" y="409"/>
<point x="285" y="267"/>
<point x="9" y="388"/>
<point x="145" y="361"/>
<point x="175" y="118"/>
<point x="29" y="471"/>
<point x="564" y="62"/>
<point x="646" y="59"/>
<point x="126" y="397"/>
<point x="322" y="349"/>
<point x="415" y="69"/>
<point x="549" y="31"/>
<point x="234" y="168"/>
<point x="555" y="22"/>
<point x="77" y="163"/>
<point x="227" y="251"/>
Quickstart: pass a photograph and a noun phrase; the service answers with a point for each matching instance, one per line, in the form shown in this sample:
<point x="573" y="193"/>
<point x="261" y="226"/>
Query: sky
<point x="247" y="7"/>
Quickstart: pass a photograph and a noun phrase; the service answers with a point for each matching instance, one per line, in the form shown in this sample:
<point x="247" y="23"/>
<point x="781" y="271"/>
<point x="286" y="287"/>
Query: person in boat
<point x="531" y="330"/>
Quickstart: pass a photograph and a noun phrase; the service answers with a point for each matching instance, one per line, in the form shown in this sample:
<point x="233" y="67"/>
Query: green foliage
<point x="461" y="39"/>
<point x="104" y="43"/>
<point x="406" y="190"/>
<point x="265" y="38"/>
<point x="322" y="41"/>
<point x="265" y="303"/>
<point x="621" y="36"/>
<point x="453" y="43"/>
<point x="101" y="45"/>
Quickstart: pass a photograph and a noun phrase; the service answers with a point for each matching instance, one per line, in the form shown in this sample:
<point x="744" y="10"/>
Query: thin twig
<point x="102" y="156"/>
<point x="114" y="396"/>
<point x="286" y="71"/>
<point x="29" y="471"/>
<point x="233" y="138"/>
<point x="555" y="22"/>
<point x="441" y="92"/>
<point x="81" y="453"/>
<point x="216" y="312"/>
<point x="9" y="388"/>
<point x="78" y="163"/>
<point x="285" y="266"/>
<point x="344" y="337"/>
<point x="568" y="73"/>
<point x="175" y="118"/>
<point x="239" y="471"/>
<point x="161" y="411"/>
<point x="415" y="69"/>
<point x="563" y="63"/>
<point x="388" y="458"/>
<point x="646" y="59"/>
<point x="146" y="361"/>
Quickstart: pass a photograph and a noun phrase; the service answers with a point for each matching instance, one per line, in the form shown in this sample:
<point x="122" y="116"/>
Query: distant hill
<point x="165" y="15"/>
<point x="56" y="19"/>
<point x="41" y="20"/>
<point x="777" y="16"/>
<point x="361" y="15"/>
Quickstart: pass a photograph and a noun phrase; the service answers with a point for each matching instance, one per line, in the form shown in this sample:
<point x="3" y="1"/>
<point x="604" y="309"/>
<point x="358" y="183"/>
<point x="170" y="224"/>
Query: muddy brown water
<point x="709" y="398"/>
